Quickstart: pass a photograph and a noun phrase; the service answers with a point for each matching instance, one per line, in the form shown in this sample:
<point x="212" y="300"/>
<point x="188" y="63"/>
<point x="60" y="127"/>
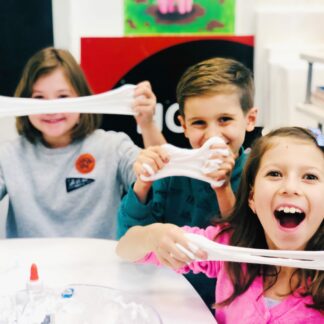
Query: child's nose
<point x="290" y="186"/>
<point x="212" y="131"/>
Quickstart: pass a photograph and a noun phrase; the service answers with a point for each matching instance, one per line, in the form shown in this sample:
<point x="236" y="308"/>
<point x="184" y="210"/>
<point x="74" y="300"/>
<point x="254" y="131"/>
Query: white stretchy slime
<point x="220" y="252"/>
<point x="117" y="101"/>
<point x="193" y="163"/>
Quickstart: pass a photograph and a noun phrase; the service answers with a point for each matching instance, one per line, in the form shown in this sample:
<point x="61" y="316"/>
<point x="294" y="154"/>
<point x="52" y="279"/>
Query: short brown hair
<point x="45" y="62"/>
<point x="216" y="75"/>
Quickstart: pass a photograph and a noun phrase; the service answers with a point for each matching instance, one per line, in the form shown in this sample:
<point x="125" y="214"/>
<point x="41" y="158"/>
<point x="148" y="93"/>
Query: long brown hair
<point x="43" y="63"/>
<point x="247" y="231"/>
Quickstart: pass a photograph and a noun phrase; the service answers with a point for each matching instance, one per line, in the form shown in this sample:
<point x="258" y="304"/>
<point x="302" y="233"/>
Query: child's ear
<point x="183" y="124"/>
<point x="251" y="201"/>
<point x="251" y="118"/>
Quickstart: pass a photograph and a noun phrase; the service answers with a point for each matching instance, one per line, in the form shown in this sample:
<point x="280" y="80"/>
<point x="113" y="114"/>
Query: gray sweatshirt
<point x="72" y="191"/>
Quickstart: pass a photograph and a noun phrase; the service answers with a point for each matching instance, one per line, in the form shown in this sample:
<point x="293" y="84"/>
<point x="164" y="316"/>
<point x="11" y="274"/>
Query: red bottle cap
<point x="33" y="272"/>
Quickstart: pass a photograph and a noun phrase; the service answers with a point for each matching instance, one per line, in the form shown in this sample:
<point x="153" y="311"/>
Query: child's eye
<point x="274" y="174"/>
<point x="310" y="176"/>
<point x="64" y="96"/>
<point x="224" y="119"/>
<point x="38" y="97"/>
<point x="198" y="122"/>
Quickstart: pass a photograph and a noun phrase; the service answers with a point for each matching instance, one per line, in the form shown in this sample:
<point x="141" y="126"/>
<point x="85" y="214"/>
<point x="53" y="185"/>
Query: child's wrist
<point x="147" y="125"/>
<point x="226" y="187"/>
<point x="141" y="185"/>
<point x="141" y="189"/>
<point x="153" y="231"/>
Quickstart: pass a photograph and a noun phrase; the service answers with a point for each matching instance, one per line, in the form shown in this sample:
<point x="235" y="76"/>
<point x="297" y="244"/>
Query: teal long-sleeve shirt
<point x="180" y="201"/>
<point x="177" y="200"/>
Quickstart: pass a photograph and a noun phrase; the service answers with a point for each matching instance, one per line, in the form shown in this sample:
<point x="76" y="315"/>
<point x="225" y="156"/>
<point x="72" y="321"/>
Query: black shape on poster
<point x="25" y="28"/>
<point x="164" y="69"/>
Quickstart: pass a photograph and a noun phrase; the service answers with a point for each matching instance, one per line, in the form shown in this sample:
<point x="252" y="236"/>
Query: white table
<point x="64" y="261"/>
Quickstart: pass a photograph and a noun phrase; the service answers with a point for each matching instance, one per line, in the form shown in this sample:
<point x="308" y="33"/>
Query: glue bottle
<point x="34" y="285"/>
<point x="37" y="306"/>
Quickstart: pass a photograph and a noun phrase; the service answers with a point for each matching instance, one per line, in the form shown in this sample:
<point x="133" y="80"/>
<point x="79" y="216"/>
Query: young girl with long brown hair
<point x="63" y="175"/>
<point x="280" y="207"/>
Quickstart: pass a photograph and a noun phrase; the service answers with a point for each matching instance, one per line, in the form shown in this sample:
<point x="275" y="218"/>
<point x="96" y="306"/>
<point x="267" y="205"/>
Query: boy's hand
<point x="144" y="104"/>
<point x="149" y="161"/>
<point x="225" y="168"/>
<point x="225" y="195"/>
<point x="163" y="239"/>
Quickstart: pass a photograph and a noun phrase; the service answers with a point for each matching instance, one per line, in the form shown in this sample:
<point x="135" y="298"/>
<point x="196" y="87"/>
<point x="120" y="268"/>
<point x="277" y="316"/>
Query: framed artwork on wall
<point x="155" y="17"/>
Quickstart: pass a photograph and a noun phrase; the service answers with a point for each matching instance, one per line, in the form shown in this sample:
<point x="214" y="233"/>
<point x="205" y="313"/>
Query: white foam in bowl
<point x="88" y="304"/>
<point x="101" y="305"/>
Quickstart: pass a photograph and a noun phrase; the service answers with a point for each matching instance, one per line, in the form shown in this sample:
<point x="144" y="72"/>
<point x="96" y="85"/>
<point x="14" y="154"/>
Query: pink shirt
<point x="249" y="307"/>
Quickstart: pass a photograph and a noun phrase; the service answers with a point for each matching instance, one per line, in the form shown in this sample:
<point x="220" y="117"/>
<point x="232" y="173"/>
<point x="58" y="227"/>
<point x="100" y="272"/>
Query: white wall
<point x="292" y="24"/>
<point x="7" y="132"/>
<point x="73" y="19"/>
<point x="282" y="32"/>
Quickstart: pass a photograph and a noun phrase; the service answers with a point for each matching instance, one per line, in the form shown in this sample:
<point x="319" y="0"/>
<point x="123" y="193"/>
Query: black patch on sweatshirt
<point x="76" y="183"/>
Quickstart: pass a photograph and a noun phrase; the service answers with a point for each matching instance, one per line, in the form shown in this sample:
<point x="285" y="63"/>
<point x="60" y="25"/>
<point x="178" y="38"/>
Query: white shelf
<point x="313" y="111"/>
<point x="313" y="57"/>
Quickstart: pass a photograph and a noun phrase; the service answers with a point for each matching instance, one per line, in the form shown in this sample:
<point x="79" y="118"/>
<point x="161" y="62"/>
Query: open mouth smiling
<point x="53" y="121"/>
<point x="289" y="217"/>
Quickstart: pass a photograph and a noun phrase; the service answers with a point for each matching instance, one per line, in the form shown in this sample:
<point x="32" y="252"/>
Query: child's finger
<point x="155" y="161"/>
<point x="176" y="258"/>
<point x="149" y="167"/>
<point x="176" y="264"/>
<point x="148" y="162"/>
<point x="192" y="252"/>
<point x="143" y="86"/>
<point x="164" y="260"/>
<point x="145" y="111"/>
<point x="155" y="155"/>
<point x="211" y="165"/>
<point x="221" y="148"/>
<point x="220" y="155"/>
<point x="142" y="102"/>
<point x="220" y="174"/>
<point x="146" y="167"/>
<point x="144" y="89"/>
<point x="158" y="152"/>
<point x="185" y="251"/>
<point x="171" y="262"/>
<point x="216" y="164"/>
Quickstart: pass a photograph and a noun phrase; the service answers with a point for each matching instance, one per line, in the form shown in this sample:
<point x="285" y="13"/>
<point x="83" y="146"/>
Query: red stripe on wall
<point x="106" y="60"/>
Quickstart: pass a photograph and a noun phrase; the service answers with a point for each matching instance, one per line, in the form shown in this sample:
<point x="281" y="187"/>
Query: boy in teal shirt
<point x="215" y="99"/>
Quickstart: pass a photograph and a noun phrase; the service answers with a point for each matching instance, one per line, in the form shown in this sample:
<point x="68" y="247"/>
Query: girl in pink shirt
<point x="279" y="206"/>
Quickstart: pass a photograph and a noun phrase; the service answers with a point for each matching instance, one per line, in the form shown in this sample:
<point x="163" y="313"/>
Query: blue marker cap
<point x="67" y="293"/>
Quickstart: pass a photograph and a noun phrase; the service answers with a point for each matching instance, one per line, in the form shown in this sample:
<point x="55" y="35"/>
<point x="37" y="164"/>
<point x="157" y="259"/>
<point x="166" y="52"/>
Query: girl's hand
<point x="144" y="104"/>
<point x="148" y="162"/>
<point x="163" y="239"/>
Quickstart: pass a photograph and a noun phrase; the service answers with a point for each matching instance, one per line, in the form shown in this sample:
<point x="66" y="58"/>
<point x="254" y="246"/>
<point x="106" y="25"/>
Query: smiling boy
<point x="215" y="99"/>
